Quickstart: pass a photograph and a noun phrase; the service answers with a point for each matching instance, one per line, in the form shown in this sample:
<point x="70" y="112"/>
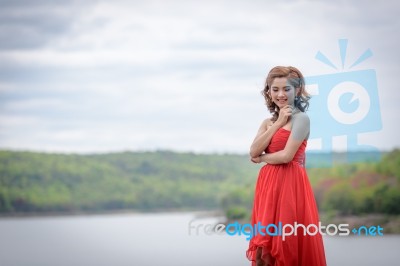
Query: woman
<point x="283" y="193"/>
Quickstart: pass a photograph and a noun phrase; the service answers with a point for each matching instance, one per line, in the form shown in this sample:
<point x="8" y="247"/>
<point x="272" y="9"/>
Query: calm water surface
<point x="154" y="239"/>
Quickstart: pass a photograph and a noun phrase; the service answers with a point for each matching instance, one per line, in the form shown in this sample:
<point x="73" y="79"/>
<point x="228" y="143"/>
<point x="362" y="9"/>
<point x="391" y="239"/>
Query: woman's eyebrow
<point x="277" y="87"/>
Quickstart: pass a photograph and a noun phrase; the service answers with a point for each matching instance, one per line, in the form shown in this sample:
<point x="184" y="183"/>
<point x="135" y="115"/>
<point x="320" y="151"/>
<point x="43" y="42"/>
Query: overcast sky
<point x="181" y="75"/>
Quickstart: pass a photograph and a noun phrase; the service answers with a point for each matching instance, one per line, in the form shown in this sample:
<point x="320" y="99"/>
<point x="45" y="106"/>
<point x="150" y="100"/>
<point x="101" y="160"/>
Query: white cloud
<point x="175" y="74"/>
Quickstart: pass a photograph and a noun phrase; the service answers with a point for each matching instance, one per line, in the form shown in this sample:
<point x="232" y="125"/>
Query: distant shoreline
<point x="199" y="213"/>
<point x="390" y="223"/>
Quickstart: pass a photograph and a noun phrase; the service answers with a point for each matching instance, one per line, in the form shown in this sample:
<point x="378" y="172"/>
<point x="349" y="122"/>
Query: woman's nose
<point x="281" y="93"/>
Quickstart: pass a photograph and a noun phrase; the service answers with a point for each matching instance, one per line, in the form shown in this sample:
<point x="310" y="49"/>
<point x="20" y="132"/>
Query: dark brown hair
<point x="296" y="79"/>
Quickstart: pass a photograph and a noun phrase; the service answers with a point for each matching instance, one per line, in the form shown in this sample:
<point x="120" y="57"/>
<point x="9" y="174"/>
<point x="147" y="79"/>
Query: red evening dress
<point x="283" y="194"/>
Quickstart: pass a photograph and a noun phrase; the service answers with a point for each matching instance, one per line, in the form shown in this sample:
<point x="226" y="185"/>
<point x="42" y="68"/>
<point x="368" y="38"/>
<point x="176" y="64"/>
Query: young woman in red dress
<point x="283" y="194"/>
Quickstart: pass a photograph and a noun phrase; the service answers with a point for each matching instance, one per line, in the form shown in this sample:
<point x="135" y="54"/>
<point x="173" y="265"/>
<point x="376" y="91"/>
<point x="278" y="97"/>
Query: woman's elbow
<point x="254" y="152"/>
<point x="286" y="158"/>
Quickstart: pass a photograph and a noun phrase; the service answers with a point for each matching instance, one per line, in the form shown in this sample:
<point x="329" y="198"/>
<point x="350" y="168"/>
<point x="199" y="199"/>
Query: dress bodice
<point x="278" y="142"/>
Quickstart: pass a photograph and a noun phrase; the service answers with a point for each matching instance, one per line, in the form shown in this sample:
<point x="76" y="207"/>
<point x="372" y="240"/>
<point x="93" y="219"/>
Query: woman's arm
<point x="266" y="131"/>
<point x="263" y="138"/>
<point x="300" y="131"/>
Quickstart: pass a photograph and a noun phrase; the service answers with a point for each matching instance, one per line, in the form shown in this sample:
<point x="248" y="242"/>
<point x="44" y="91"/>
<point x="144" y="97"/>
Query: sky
<point x="110" y="76"/>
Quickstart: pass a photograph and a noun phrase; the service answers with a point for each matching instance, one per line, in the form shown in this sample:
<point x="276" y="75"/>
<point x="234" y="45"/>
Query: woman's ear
<point x="297" y="92"/>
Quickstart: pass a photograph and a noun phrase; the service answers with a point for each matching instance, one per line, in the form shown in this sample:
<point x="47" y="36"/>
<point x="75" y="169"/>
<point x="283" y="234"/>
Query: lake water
<point x="155" y="239"/>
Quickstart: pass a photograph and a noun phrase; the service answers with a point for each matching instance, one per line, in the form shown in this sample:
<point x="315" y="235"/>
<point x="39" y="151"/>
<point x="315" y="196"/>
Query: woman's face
<point x="282" y="92"/>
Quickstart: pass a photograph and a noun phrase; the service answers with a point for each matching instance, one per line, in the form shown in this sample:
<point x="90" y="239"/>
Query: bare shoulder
<point x="302" y="116"/>
<point x="267" y="123"/>
<point x="301" y="120"/>
<point x="301" y="126"/>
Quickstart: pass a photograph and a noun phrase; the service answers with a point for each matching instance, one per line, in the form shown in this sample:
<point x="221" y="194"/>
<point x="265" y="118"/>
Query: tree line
<point x="33" y="182"/>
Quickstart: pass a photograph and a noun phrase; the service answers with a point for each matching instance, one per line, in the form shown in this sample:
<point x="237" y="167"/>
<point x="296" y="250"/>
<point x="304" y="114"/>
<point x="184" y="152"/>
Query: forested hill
<point x="33" y="182"/>
<point x="40" y="182"/>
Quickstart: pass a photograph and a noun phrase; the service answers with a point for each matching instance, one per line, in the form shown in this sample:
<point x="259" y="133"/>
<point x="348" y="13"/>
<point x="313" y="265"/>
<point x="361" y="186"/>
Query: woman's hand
<point x="256" y="159"/>
<point x="284" y="114"/>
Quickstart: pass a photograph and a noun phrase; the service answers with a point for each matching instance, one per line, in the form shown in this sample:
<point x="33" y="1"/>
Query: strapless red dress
<point x="283" y="194"/>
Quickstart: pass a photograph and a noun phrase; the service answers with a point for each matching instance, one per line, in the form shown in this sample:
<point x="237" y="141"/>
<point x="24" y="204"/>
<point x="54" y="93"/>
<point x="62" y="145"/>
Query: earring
<point x="296" y="98"/>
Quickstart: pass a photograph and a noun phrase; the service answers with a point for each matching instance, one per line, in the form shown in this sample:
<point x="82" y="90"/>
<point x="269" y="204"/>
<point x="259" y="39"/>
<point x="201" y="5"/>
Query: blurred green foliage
<point x="165" y="180"/>
<point x="145" y="181"/>
<point x="346" y="189"/>
<point x="360" y="188"/>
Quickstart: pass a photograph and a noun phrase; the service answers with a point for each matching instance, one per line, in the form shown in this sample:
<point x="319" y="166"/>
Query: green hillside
<point x="40" y="182"/>
<point x="33" y="182"/>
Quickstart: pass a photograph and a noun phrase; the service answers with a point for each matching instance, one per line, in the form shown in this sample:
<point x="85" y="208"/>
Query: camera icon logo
<point x="343" y="105"/>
